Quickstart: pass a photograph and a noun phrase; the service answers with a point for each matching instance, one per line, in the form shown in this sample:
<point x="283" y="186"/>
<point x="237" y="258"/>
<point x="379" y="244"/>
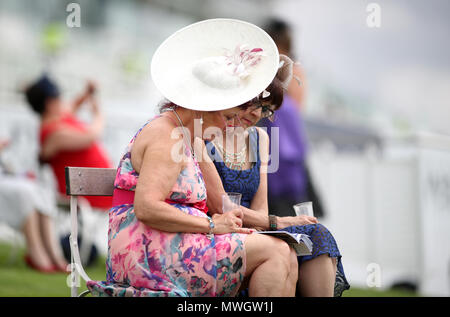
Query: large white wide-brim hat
<point x="215" y="64"/>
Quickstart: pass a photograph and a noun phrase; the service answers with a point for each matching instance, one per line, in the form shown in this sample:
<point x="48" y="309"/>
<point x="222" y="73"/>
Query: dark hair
<point x="280" y="32"/>
<point x="39" y="92"/>
<point x="275" y="98"/>
<point x="276" y="93"/>
<point x="165" y="105"/>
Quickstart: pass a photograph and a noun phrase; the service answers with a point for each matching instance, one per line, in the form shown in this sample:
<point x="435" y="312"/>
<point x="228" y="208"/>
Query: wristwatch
<point x="210" y="234"/>
<point x="272" y="222"/>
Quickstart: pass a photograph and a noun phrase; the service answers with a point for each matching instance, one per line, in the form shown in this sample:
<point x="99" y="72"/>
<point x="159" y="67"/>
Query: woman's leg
<point x="270" y="266"/>
<point x="35" y="246"/>
<point x="293" y="278"/>
<point x="317" y="277"/>
<point x="51" y="244"/>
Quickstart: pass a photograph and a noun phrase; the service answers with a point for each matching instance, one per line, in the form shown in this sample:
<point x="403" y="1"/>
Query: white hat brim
<point x="172" y="63"/>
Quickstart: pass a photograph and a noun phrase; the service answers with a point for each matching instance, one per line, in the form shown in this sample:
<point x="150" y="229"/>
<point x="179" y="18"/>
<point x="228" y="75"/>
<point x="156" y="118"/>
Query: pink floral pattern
<point x="143" y="261"/>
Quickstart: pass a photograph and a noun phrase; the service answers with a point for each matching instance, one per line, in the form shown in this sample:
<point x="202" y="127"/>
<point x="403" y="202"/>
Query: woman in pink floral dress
<point x="158" y="263"/>
<point x="161" y="241"/>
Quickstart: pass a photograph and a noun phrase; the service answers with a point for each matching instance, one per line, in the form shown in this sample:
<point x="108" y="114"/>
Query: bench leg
<point x="76" y="266"/>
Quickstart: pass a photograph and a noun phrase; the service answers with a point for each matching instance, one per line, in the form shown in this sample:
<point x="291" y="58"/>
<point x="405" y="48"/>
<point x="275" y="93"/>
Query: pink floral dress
<point x="143" y="261"/>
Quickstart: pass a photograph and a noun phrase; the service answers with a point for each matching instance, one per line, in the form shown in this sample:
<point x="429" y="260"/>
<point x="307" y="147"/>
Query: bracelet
<point x="210" y="234"/>
<point x="272" y="222"/>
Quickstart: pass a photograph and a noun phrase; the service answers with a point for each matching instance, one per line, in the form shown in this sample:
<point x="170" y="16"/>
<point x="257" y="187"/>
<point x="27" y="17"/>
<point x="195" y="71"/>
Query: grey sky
<point x="403" y="66"/>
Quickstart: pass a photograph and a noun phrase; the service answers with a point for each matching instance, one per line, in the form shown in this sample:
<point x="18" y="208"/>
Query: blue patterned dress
<point x="247" y="181"/>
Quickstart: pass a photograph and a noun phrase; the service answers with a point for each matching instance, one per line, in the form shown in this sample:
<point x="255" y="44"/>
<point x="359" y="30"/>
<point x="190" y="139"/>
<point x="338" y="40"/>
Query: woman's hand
<point x="91" y="88"/>
<point x="230" y="221"/>
<point x="284" y="222"/>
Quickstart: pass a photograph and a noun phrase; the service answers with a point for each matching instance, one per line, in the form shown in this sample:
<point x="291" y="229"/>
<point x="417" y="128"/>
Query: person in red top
<point x="64" y="140"/>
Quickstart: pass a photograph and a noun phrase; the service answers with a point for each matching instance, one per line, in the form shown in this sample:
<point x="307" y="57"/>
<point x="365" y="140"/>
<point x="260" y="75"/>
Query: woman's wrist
<point x="211" y="226"/>
<point x="273" y="222"/>
<point x="281" y="223"/>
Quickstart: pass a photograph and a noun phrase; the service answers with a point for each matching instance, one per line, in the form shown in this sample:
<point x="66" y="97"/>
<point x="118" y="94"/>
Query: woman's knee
<point x="261" y="248"/>
<point x="284" y="253"/>
<point x="293" y="258"/>
<point x="282" y="248"/>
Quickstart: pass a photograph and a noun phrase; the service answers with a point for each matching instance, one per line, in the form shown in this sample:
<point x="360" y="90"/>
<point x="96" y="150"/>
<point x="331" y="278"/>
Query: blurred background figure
<point x="65" y="140"/>
<point x="291" y="183"/>
<point x="27" y="208"/>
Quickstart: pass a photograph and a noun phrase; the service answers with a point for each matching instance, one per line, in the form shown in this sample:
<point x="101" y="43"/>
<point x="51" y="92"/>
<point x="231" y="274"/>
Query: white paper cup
<point x="305" y="208"/>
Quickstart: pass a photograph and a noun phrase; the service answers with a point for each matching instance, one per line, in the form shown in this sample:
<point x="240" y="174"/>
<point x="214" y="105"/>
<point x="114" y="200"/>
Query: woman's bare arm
<point x="68" y="139"/>
<point x="252" y="218"/>
<point x="158" y="172"/>
<point x="87" y="95"/>
<point x="260" y="200"/>
<point x="298" y="87"/>
<point x="213" y="182"/>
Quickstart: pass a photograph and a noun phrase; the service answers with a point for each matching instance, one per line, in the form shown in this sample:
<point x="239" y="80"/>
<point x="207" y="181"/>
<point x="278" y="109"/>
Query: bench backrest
<point x="87" y="181"/>
<point x="84" y="181"/>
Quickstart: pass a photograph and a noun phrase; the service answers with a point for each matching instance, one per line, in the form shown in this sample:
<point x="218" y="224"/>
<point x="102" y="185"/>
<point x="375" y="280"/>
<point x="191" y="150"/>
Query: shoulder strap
<point x="253" y="136"/>
<point x="186" y="141"/>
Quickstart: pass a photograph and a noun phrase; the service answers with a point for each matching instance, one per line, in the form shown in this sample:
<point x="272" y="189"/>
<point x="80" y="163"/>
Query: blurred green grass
<point x="360" y="292"/>
<point x="18" y="280"/>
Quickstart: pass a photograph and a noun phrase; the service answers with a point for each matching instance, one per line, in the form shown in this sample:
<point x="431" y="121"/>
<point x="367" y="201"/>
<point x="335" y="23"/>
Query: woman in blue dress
<point x="241" y="166"/>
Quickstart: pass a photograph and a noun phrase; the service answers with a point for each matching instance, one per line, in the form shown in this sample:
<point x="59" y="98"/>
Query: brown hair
<point x="165" y="105"/>
<point x="280" y="31"/>
<point x="275" y="98"/>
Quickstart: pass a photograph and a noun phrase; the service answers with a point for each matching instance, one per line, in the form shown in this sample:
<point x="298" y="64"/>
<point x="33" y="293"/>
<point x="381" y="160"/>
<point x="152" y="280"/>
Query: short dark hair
<point x="280" y="32"/>
<point x="166" y="105"/>
<point x="276" y="95"/>
<point x="39" y="92"/>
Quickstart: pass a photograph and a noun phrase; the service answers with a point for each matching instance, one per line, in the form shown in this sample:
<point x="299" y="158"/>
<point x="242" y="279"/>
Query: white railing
<point x="391" y="209"/>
